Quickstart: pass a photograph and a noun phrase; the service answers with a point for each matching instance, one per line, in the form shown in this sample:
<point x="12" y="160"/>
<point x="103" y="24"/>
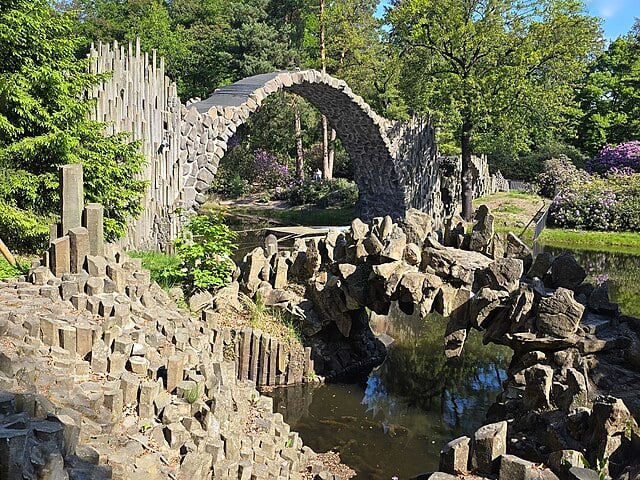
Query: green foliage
<point x="336" y="192"/>
<point x="610" y="203"/>
<point x="557" y="174"/>
<point x="495" y="74"/>
<point x="204" y="249"/>
<point x="162" y="267"/>
<point x="610" y="99"/>
<point x="10" y="271"/>
<point x="527" y="166"/>
<point x="43" y="124"/>
<point x="23" y="231"/>
<point x="192" y="395"/>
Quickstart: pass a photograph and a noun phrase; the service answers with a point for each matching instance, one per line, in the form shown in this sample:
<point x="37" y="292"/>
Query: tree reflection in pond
<point x="622" y="270"/>
<point x="396" y="423"/>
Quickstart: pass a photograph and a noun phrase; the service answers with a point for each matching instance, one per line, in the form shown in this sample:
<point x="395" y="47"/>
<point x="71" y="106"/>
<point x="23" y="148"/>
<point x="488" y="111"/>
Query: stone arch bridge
<point x="394" y="162"/>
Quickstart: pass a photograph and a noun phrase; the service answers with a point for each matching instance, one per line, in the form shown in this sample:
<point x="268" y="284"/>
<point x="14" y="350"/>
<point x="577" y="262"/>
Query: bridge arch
<point x="373" y="143"/>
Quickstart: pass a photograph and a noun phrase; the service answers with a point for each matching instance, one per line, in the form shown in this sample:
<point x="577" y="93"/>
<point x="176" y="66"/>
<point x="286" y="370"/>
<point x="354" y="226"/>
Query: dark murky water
<point x="416" y="401"/>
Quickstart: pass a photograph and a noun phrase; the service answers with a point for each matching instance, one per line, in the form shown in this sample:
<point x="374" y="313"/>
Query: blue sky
<point x="618" y="15"/>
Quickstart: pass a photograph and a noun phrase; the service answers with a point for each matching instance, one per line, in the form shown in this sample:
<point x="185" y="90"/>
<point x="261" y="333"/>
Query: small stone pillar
<point x="94" y="222"/>
<point x="59" y="256"/>
<point x="270" y="245"/>
<point x="71" y="196"/>
<point x="79" y="248"/>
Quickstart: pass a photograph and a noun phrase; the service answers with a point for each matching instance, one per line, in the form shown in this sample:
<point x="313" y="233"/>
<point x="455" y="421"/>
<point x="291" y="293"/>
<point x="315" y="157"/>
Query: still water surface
<point x="396" y="421"/>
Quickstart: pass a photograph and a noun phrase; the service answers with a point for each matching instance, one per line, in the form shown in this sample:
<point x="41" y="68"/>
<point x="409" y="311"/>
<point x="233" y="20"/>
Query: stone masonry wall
<point x="395" y="163"/>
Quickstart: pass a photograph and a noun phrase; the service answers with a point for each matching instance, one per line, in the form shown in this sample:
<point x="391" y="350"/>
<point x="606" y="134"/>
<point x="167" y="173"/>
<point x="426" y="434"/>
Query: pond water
<point x="621" y="270"/>
<point x="396" y="422"/>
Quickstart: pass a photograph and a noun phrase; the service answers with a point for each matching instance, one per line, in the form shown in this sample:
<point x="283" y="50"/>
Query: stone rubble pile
<point x="103" y="376"/>
<point x="568" y="338"/>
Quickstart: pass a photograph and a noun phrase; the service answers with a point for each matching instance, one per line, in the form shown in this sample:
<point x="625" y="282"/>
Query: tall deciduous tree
<point x="610" y="98"/>
<point x="44" y="124"/>
<point x="492" y="67"/>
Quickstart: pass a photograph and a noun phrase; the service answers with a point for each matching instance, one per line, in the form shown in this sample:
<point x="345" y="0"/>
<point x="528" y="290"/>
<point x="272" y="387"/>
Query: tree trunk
<point x="332" y="151"/>
<point x="467" y="174"/>
<point x="299" y="149"/>
<point x="326" y="170"/>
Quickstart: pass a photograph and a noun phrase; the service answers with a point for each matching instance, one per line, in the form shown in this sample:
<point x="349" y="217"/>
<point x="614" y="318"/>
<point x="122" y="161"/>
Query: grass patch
<point x="273" y="321"/>
<point x="623" y="242"/>
<point x="161" y="267"/>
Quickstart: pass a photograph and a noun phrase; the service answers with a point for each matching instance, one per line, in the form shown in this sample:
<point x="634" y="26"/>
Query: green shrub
<point x="10" y="271"/>
<point x="610" y="203"/>
<point x="204" y="249"/>
<point x="22" y="231"/>
<point x="337" y="192"/>
<point x="163" y="268"/>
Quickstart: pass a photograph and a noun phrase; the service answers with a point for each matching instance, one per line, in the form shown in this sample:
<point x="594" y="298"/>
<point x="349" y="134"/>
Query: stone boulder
<point x="483" y="230"/>
<point x="453" y="265"/>
<point x="485" y="305"/>
<point x="559" y="314"/>
<point x="566" y="272"/>
<point x="516" y="248"/>
<point x="417" y="225"/>
<point x="502" y="274"/>
<point x="454" y="230"/>
<point x="252" y="267"/>
<point x="609" y="423"/>
<point x="394" y="245"/>
<point x="541" y="265"/>
<point x="599" y="301"/>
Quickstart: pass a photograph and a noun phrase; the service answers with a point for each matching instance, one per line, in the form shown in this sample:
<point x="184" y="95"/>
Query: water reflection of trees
<point x="417" y="372"/>
<point x="621" y="269"/>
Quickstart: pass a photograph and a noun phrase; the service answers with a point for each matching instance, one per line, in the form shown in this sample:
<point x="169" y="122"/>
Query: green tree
<point x="502" y="70"/>
<point x="610" y="98"/>
<point x="44" y="124"/>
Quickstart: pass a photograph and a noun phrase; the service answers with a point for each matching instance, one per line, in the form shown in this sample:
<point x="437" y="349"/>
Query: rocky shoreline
<point x="103" y="376"/>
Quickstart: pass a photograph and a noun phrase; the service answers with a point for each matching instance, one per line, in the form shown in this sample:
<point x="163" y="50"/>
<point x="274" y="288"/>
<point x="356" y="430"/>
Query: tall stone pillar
<point x="71" y="196"/>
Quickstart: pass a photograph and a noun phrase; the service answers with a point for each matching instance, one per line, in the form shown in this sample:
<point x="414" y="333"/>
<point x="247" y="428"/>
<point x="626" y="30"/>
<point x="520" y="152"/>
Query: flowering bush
<point x="269" y="173"/>
<point x="623" y="158"/>
<point x="558" y="173"/>
<point x="607" y="203"/>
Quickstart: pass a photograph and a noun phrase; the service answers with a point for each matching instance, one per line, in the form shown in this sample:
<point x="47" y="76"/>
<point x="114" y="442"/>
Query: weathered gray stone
<point x="454" y="456"/>
<point x="537" y="395"/>
<point x="566" y="272"/>
<point x="490" y="442"/>
<point x="200" y="300"/>
<point x="59" y="256"/>
<point x="483" y="230"/>
<point x="93" y="221"/>
<point x="559" y="315"/>
<point x="71" y="196"/>
<point x="79" y="248"/>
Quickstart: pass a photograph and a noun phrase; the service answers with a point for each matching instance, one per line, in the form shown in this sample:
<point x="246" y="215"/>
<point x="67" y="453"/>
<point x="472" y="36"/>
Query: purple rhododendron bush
<point x="611" y="203"/>
<point x="618" y="158"/>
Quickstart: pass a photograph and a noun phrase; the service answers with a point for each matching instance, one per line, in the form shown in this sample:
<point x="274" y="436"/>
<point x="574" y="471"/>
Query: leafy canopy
<point x="44" y="124"/>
